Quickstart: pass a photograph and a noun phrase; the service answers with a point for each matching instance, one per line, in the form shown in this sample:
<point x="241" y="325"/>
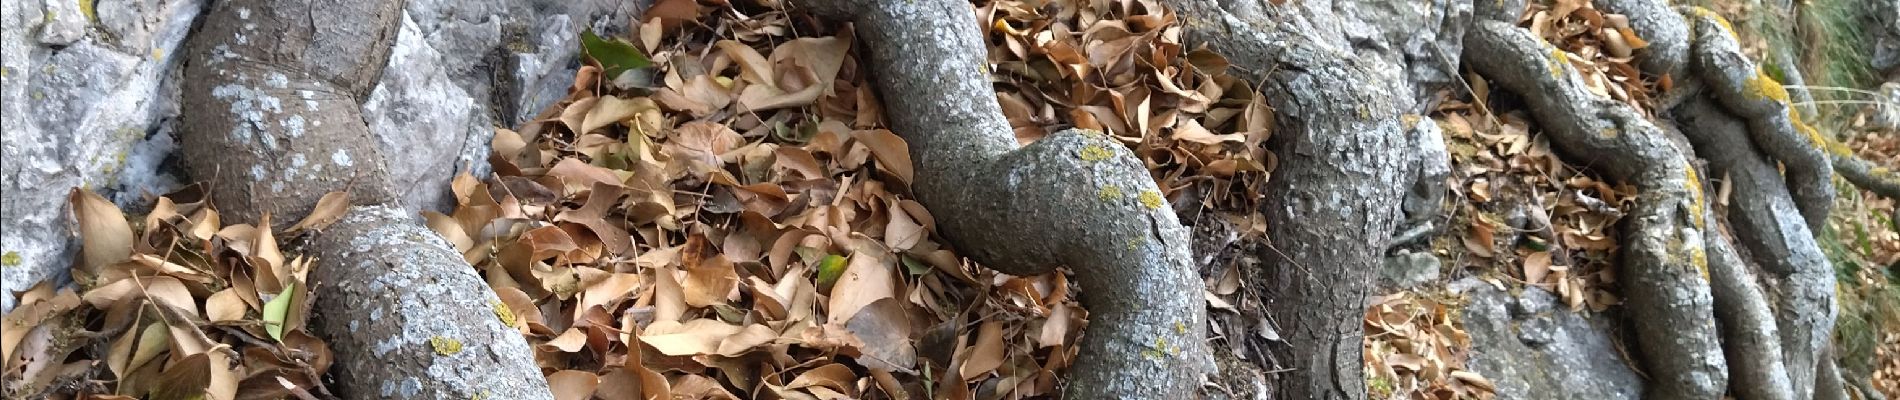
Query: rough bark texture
<point x="395" y="299"/>
<point x="1343" y="168"/>
<point x="1769" y="227"/>
<point x="1747" y="92"/>
<point x="1750" y="334"/>
<point x="275" y="88"/>
<point x="1860" y="172"/>
<point x="1663" y="259"/>
<point x="1074" y="198"/>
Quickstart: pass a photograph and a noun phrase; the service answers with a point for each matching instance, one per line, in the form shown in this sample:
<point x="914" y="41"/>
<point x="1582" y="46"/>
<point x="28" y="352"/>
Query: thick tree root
<point x="1751" y="341"/>
<point x="272" y="89"/>
<point x="1344" y="167"/>
<point x="1775" y="125"/>
<point x="409" y="319"/>
<point x="1074" y="198"/>
<point x="1664" y="261"/>
<point x="1765" y="221"/>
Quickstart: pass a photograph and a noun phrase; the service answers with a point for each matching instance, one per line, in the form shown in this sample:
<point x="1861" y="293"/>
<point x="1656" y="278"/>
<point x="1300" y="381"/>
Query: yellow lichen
<point x="12" y="258"/>
<point x="1151" y="199"/>
<point x="503" y="313"/>
<point x="1696" y="199"/>
<point x="1712" y="15"/>
<point x="1700" y="259"/>
<point x="158" y="54"/>
<point x="1135" y="242"/>
<point x="1558" y="59"/>
<point x="1110" y="193"/>
<point x="1095" y="152"/>
<point x="1607" y="132"/>
<point x="1760" y="87"/>
<point x="86" y="7"/>
<point x="1808" y="132"/>
<point x="445" y="346"/>
<point x="1180" y="327"/>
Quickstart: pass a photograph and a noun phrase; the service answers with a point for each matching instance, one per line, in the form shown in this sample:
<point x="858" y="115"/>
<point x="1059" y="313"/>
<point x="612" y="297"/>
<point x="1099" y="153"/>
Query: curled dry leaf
<point x="104" y="235"/>
<point x="330" y="208"/>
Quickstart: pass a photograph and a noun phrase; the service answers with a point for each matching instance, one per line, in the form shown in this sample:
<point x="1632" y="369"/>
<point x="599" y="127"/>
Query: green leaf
<point x="915" y="267"/>
<point x="277" y="310"/>
<point x="810" y="256"/>
<point x="829" y="270"/>
<point x="613" y="55"/>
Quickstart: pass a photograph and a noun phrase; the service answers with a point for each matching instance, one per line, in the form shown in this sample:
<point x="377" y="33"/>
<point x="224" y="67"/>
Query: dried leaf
<point x="330" y="208"/>
<point x="105" y="236"/>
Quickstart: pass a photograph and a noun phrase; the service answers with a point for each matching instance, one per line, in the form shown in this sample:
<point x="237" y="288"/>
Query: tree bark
<point x="274" y="88"/>
<point x="1333" y="200"/>
<point x="1074" y="198"/>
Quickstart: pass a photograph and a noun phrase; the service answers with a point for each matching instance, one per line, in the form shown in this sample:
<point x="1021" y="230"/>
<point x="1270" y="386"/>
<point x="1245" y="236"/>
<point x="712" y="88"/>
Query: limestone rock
<point x="1533" y="347"/>
<point x="90" y="97"/>
<point x="74" y="101"/>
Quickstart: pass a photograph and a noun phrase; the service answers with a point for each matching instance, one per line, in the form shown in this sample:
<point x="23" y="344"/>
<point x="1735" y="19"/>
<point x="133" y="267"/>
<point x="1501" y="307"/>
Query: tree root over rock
<point x="1664" y="259"/>
<point x="1773" y="304"/>
<point x="1074" y="198"/>
<point x="272" y="89"/>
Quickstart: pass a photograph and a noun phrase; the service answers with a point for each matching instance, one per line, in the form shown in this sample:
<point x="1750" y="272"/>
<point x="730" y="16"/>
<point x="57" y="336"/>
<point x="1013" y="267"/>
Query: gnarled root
<point x="1074" y="198"/>
<point x="273" y="88"/>
<point x="1744" y="125"/>
<point x="1664" y="260"/>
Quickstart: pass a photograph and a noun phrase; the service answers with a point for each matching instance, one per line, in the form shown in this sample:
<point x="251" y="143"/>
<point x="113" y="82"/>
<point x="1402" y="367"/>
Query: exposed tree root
<point x="1860" y="172"/>
<point x="275" y="87"/>
<point x="1074" y="198"/>
<point x="1779" y="241"/>
<point x="1745" y="126"/>
<point x="1775" y="125"/>
<point x="1663" y="260"/>
<point x="1343" y="168"/>
<point x="1751" y="341"/>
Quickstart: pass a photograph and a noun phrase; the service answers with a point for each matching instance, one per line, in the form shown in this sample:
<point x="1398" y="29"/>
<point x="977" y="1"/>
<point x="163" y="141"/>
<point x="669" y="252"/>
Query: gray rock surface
<point x="1407" y="270"/>
<point x="1886" y="34"/>
<point x="1533" y="347"/>
<point x="89" y="99"/>
<point x="76" y="93"/>
<point x="460" y="68"/>
<point x="1421" y="38"/>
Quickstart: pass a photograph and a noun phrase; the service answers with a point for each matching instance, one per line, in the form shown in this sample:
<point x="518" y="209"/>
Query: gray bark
<point x="1773" y="124"/>
<point x="1342" y="173"/>
<point x="277" y="86"/>
<point x="1074" y="198"/>
<point x="389" y="293"/>
<point x="1663" y="256"/>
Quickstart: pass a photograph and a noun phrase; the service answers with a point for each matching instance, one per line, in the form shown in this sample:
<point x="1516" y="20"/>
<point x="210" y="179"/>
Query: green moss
<point x="445" y="346"/>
